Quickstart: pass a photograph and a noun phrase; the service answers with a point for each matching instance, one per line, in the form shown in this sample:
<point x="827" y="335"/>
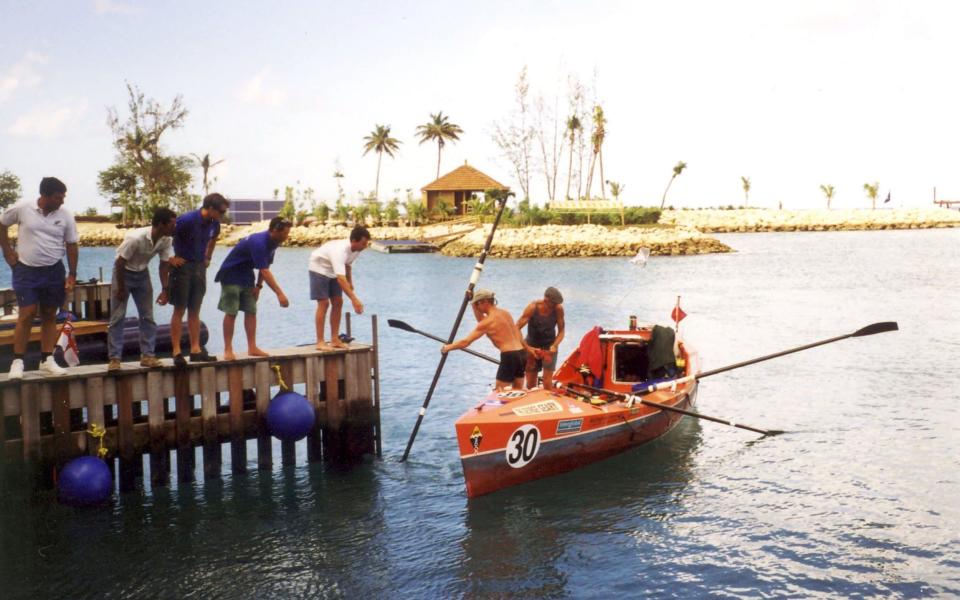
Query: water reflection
<point x="519" y="537"/>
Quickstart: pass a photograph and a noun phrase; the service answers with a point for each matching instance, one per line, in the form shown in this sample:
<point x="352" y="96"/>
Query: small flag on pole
<point x="71" y="353"/>
<point x="677" y="314"/>
<point x="888" y="198"/>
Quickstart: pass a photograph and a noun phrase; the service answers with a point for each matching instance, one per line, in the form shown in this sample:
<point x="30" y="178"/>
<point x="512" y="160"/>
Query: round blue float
<point x="85" y="481"/>
<point x="290" y="416"/>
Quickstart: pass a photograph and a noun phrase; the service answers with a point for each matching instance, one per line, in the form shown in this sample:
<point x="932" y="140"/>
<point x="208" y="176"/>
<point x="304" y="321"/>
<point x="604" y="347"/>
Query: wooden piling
<point x="186" y="463"/>
<point x="159" y="455"/>
<point x="238" y="442"/>
<point x="288" y="450"/>
<point x="128" y="468"/>
<point x="262" y="377"/>
<point x="212" y="456"/>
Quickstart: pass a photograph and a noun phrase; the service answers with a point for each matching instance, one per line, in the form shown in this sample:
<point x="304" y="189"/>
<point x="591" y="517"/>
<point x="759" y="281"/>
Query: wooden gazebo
<point x="455" y="188"/>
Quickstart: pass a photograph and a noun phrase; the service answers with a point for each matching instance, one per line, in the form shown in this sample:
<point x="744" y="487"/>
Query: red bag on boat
<point x="590" y="353"/>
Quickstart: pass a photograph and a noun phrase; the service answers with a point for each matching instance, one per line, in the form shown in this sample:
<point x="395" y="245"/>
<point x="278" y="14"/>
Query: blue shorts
<point x="324" y="288"/>
<point x="43" y="285"/>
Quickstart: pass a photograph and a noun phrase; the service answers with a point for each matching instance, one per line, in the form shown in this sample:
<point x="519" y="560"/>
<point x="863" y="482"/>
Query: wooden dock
<point x="153" y="411"/>
<point x="402" y="246"/>
<point x="88" y="301"/>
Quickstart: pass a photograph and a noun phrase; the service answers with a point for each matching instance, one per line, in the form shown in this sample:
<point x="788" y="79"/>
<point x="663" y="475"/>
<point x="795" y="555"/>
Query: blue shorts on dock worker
<point x="43" y="285"/>
<point x="324" y="288"/>
<point x="234" y="298"/>
<point x="188" y="285"/>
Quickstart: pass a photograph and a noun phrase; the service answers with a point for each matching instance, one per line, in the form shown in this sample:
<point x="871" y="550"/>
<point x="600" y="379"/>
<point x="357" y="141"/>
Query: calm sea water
<point x="858" y="499"/>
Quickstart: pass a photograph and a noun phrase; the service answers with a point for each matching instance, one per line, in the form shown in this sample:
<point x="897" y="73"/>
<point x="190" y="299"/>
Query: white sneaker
<point x="50" y="367"/>
<point x="16" y="369"/>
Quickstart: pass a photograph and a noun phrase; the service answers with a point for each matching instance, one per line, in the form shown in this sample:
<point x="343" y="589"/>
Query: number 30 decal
<point x="523" y="446"/>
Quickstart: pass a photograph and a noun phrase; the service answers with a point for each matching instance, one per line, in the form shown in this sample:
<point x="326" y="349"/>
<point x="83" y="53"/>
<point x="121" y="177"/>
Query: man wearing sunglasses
<point x="193" y="242"/>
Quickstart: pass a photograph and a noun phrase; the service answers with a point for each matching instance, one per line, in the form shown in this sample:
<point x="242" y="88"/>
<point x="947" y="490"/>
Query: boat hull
<point x="522" y="450"/>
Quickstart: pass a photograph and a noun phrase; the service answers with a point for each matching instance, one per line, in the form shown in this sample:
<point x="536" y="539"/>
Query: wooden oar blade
<point x="876" y="328"/>
<point x="399" y="325"/>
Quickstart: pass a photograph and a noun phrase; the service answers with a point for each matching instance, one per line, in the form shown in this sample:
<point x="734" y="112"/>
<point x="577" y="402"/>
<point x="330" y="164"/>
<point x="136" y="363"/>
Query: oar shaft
<point x="702" y="416"/>
<point x="474" y="277"/>
<point x="753" y="361"/>
<point x="443" y="341"/>
<point x="675" y="409"/>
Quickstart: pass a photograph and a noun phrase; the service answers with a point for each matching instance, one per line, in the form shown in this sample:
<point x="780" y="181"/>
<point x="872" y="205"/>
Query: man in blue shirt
<point x="193" y="242"/>
<point x="237" y="289"/>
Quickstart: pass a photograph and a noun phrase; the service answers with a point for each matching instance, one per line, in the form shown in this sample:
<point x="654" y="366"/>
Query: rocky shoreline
<point x="680" y="232"/>
<point x="758" y="219"/>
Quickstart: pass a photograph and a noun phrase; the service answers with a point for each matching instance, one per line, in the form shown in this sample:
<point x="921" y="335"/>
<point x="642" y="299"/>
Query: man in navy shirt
<point x="193" y="242"/>
<point x="237" y="289"/>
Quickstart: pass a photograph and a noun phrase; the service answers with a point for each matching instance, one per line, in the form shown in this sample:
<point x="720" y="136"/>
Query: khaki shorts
<point x="236" y="298"/>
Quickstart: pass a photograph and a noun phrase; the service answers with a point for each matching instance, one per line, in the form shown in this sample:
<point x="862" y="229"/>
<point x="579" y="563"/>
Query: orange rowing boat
<point x="515" y="436"/>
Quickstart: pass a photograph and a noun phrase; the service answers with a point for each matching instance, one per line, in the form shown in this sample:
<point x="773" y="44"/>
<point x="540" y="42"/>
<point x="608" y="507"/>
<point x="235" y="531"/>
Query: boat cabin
<point x="619" y="359"/>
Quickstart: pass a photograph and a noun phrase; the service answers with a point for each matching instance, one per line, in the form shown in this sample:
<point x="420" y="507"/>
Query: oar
<point x="501" y="197"/>
<point x="678" y="410"/>
<point x="406" y="327"/>
<point x="863" y="331"/>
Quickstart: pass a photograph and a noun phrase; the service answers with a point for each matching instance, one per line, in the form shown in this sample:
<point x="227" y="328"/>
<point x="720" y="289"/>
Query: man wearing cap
<point x="544" y="322"/>
<point x="45" y="233"/>
<point x="498" y="325"/>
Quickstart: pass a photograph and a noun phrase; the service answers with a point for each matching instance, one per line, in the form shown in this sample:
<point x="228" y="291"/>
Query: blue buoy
<point x="290" y="416"/>
<point x="85" y="481"/>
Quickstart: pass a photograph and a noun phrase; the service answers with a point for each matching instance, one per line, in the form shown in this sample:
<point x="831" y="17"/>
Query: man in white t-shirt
<point x="46" y="232"/>
<point x="330" y="278"/>
<point x="131" y="277"/>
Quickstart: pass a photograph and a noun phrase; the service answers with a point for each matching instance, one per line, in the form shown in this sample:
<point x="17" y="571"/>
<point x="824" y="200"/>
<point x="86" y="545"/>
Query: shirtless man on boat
<point x="498" y="325"/>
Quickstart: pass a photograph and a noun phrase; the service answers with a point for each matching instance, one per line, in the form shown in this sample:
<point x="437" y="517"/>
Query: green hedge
<point x="539" y="216"/>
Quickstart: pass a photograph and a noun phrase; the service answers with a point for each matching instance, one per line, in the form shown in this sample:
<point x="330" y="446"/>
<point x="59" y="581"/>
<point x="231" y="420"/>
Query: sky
<point x="791" y="95"/>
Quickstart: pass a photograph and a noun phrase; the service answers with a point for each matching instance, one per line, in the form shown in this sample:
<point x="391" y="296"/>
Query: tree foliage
<point x="872" y="189"/>
<point x="380" y="141"/>
<point x="677" y="169"/>
<point x="828" y="192"/>
<point x="10" y="190"/>
<point x="143" y="177"/>
<point x="514" y="134"/>
<point x="441" y="130"/>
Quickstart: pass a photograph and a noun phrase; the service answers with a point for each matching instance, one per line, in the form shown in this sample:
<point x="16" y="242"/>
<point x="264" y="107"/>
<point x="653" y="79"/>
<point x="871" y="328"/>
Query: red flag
<point x="677" y="315"/>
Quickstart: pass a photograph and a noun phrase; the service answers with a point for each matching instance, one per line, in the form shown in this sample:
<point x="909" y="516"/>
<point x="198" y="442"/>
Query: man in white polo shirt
<point x="46" y="232"/>
<point x="330" y="278"/>
<point x="131" y="277"/>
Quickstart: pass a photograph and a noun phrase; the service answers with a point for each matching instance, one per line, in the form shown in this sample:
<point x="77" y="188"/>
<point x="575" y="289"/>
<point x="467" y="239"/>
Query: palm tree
<point x="872" y="190"/>
<point x="441" y="130"/>
<point x="596" y="138"/>
<point x="677" y="169"/>
<point x="828" y="192"/>
<point x="205" y="164"/>
<point x="746" y="190"/>
<point x="380" y="141"/>
<point x="615" y="190"/>
<point x="573" y="126"/>
<point x="338" y="176"/>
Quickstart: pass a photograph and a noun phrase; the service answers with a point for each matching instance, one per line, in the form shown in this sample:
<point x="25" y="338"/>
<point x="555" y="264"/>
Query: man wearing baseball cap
<point x="498" y="325"/>
<point x="545" y="325"/>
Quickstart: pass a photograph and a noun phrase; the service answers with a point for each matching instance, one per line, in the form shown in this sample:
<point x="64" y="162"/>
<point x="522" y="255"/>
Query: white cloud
<point x="102" y="7"/>
<point x="21" y="75"/>
<point x="46" y="122"/>
<point x="257" y="92"/>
